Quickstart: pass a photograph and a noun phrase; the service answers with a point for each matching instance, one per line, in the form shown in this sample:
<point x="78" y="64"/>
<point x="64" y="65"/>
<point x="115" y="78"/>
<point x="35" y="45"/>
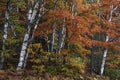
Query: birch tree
<point x="41" y="12"/>
<point x="61" y="37"/>
<point x="62" y="34"/>
<point x="52" y="40"/>
<point x="5" y="35"/>
<point x="113" y="8"/>
<point x="30" y="18"/>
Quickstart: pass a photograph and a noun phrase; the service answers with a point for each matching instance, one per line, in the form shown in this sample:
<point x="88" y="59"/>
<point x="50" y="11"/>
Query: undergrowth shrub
<point x="67" y="63"/>
<point x="113" y="67"/>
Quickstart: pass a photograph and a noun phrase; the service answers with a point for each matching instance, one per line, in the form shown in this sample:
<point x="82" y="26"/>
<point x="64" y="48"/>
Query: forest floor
<point x="29" y="75"/>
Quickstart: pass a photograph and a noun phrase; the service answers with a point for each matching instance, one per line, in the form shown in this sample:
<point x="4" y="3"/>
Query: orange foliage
<point x="83" y="26"/>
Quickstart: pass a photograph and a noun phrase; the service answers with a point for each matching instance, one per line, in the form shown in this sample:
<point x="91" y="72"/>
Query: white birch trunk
<point x="63" y="31"/>
<point x="107" y="39"/>
<point x="104" y="58"/>
<point x="61" y="38"/>
<point x="23" y="50"/>
<point x="26" y="55"/>
<point x="52" y="40"/>
<point x="6" y="25"/>
<point x="31" y="17"/>
<point x="41" y="12"/>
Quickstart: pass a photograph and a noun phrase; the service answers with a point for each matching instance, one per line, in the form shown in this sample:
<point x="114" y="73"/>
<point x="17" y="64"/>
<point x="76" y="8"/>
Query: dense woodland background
<point x="60" y="39"/>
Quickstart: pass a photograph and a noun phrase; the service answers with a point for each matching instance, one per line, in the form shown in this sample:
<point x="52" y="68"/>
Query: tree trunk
<point x="107" y="39"/>
<point x="52" y="41"/>
<point x="104" y="58"/>
<point x="6" y="25"/>
<point x="61" y="38"/>
<point x="31" y="17"/>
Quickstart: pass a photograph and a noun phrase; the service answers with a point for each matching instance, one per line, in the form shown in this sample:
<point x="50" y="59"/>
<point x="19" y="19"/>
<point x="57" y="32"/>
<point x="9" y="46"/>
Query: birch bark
<point x="104" y="58"/>
<point x="6" y="25"/>
<point x="31" y="18"/>
<point x="107" y="39"/>
<point x="52" y="40"/>
<point x="41" y="12"/>
<point x="61" y="38"/>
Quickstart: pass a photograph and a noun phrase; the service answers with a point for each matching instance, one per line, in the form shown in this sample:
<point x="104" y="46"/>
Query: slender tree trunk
<point x="104" y="58"/>
<point x="26" y="55"/>
<point x="61" y="38"/>
<point x="41" y="12"/>
<point x="24" y="48"/>
<point x="31" y="18"/>
<point x="6" y="25"/>
<point x="52" y="40"/>
<point x="107" y="39"/>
